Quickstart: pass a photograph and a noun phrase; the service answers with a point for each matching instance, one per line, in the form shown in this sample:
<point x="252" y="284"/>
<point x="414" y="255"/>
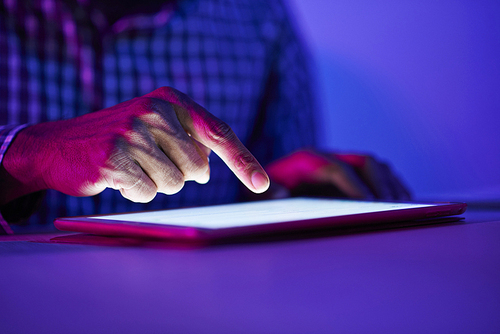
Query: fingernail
<point x="260" y="182"/>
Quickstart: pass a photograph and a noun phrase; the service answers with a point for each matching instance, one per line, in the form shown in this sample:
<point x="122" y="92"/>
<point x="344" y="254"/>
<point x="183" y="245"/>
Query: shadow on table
<point x="98" y="240"/>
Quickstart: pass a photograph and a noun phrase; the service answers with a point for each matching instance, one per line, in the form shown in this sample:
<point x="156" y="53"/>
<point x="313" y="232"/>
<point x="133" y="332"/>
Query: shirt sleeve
<point x="287" y="116"/>
<point x="7" y="134"/>
<point x="21" y="208"/>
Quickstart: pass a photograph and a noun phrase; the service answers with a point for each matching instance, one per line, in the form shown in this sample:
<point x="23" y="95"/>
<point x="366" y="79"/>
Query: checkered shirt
<point x="241" y="60"/>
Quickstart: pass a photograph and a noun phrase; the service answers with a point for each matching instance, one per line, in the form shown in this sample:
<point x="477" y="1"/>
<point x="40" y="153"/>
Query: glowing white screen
<point x="258" y="213"/>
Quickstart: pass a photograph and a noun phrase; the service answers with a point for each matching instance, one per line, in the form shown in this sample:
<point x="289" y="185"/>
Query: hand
<point x="338" y="175"/>
<point x="149" y="144"/>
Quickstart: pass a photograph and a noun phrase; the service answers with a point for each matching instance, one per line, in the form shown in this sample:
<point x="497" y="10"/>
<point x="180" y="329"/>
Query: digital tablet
<point x="252" y="218"/>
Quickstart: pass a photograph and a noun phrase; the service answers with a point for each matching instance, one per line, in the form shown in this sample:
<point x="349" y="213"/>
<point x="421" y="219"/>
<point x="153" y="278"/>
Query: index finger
<point x="218" y="136"/>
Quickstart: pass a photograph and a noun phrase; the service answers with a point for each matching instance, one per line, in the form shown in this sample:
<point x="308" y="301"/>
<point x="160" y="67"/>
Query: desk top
<point x="433" y="279"/>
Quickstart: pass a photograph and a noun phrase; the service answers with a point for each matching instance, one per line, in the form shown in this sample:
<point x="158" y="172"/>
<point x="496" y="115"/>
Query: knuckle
<point x="244" y="162"/>
<point x="147" y="192"/>
<point x="173" y="183"/>
<point x="169" y="94"/>
<point x="141" y="192"/>
<point x="156" y="119"/>
<point x="219" y="132"/>
<point x="124" y="130"/>
<point x="153" y="108"/>
<point x="158" y="116"/>
<point x="196" y="167"/>
<point x="135" y="134"/>
<point x="118" y="158"/>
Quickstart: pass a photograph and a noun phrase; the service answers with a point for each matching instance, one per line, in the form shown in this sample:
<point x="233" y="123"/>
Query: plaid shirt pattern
<point x="241" y="60"/>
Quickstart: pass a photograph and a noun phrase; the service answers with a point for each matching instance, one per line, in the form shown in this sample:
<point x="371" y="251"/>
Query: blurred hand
<point x="337" y="175"/>
<point x="149" y="144"/>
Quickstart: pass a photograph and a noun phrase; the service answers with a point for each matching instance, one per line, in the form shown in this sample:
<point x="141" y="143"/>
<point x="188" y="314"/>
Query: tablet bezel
<point x="121" y="228"/>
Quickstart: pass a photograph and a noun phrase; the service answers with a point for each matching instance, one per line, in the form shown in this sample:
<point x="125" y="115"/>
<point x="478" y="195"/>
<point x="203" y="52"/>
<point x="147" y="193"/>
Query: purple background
<point x="417" y="83"/>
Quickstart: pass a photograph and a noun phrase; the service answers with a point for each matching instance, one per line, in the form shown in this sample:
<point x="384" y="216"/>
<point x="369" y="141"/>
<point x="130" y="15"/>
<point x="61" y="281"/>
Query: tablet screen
<point x="259" y="213"/>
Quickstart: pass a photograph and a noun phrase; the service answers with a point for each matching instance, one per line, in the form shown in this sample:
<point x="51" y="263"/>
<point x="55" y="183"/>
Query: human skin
<point x="155" y="143"/>
<point x="350" y="175"/>
<point x="140" y="147"/>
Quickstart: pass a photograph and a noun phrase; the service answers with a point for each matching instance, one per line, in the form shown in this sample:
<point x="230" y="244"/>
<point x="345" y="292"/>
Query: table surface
<point x="438" y="278"/>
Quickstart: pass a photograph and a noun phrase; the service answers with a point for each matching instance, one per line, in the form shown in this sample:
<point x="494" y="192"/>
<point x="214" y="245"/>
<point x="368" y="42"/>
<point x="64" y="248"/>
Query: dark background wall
<point x="416" y="82"/>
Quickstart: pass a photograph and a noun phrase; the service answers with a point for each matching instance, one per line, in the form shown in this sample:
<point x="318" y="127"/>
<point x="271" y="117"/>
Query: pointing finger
<point x="217" y="136"/>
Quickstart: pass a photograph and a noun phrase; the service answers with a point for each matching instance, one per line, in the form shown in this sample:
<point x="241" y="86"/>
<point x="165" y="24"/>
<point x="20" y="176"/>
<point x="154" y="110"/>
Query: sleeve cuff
<point x="20" y="209"/>
<point x="7" y="133"/>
